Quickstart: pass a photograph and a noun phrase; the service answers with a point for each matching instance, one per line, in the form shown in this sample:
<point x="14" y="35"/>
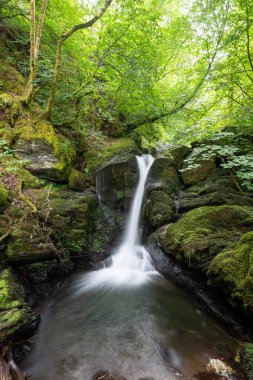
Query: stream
<point x="126" y="319"/>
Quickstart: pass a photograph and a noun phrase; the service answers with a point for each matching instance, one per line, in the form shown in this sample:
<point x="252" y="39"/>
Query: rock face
<point x="202" y="233"/>
<point x="117" y="177"/>
<point x="163" y="184"/>
<point x="76" y="222"/>
<point x="48" y="154"/>
<point x="15" y="315"/>
<point x="232" y="271"/>
<point x="159" y="208"/>
<point x="205" y="224"/>
<point x="197" y="172"/>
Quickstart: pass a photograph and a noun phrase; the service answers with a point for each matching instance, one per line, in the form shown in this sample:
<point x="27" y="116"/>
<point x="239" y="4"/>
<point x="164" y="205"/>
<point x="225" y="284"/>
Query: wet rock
<point x="15" y="314"/>
<point x="202" y="233"/>
<point x="30" y="242"/>
<point x="163" y="176"/>
<point x="117" y="177"/>
<point x="45" y="276"/>
<point x="195" y="169"/>
<point x="218" y="367"/>
<point x="211" y="300"/>
<point x="232" y="271"/>
<point x="218" y="188"/>
<point x="159" y="208"/>
<point x="174" y="155"/>
<point x="77" y="222"/>
<point x="48" y="154"/>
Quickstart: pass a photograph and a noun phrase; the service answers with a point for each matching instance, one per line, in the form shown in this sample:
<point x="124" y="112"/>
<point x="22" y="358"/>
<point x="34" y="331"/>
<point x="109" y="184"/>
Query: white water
<point x="131" y="264"/>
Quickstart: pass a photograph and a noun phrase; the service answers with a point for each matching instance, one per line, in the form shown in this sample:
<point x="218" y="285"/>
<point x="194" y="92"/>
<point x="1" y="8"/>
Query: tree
<point x="35" y="37"/>
<point x="61" y="41"/>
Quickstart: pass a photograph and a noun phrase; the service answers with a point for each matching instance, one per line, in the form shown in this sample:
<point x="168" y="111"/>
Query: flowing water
<point x="126" y="319"/>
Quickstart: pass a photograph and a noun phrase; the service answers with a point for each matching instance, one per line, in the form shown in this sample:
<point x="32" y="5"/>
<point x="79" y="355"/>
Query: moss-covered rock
<point x="232" y="270"/>
<point x="10" y="107"/>
<point x="202" y="233"/>
<point x="174" y="155"/>
<point x="162" y="175"/>
<point x="13" y="167"/>
<point x="196" y="169"/>
<point x="30" y="241"/>
<point x="217" y="189"/>
<point x="76" y="221"/>
<point x="117" y="177"/>
<point x="159" y="208"/>
<point x="15" y="315"/>
<point x="77" y="180"/>
<point x="4" y="197"/>
<point x="48" y="154"/>
<point x="119" y="149"/>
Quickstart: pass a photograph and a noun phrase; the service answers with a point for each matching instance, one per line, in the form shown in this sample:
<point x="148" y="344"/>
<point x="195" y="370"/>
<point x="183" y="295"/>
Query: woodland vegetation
<point x="85" y="83"/>
<point x="159" y="68"/>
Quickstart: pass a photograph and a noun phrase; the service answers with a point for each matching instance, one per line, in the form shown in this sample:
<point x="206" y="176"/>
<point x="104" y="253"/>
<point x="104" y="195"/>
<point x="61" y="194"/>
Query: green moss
<point x="41" y="130"/>
<point x="40" y="139"/>
<point x="4" y="197"/>
<point x="11" y="80"/>
<point x="195" y="169"/>
<point x="93" y="158"/>
<point x="203" y="232"/>
<point x="14" y="313"/>
<point x="77" y="180"/>
<point x="159" y="208"/>
<point x="233" y="270"/>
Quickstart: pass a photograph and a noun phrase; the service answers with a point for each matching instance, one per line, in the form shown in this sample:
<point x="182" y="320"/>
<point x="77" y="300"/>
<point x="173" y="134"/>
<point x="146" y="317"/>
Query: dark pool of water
<point x="153" y="331"/>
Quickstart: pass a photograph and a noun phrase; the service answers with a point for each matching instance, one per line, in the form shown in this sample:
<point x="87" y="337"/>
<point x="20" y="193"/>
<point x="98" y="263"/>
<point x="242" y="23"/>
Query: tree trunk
<point x="29" y="88"/>
<point x="35" y="38"/>
<point x="61" y="41"/>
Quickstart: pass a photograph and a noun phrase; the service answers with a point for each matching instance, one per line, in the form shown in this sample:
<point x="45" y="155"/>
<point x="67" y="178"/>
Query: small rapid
<point x="131" y="263"/>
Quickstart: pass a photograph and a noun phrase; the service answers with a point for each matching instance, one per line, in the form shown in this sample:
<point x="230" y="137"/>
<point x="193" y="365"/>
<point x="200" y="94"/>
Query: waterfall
<point x="131" y="263"/>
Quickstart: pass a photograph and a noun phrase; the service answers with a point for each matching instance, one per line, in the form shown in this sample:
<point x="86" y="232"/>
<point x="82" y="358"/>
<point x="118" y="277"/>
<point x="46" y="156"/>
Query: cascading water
<point x="104" y="321"/>
<point x="131" y="264"/>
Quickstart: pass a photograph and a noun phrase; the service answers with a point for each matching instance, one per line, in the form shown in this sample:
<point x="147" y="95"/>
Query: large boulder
<point x="196" y="168"/>
<point x="159" y="208"/>
<point x="76" y="221"/>
<point x="48" y="154"/>
<point x="163" y="175"/>
<point x="117" y="175"/>
<point x="15" y="315"/>
<point x="174" y="155"/>
<point x="232" y="271"/>
<point x="30" y="241"/>
<point x="202" y="233"/>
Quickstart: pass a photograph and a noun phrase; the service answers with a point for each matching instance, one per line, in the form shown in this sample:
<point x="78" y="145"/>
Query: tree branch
<point x="151" y="119"/>
<point x="61" y="41"/>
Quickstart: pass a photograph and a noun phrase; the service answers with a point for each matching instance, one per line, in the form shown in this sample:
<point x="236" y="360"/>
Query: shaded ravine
<point x="126" y="319"/>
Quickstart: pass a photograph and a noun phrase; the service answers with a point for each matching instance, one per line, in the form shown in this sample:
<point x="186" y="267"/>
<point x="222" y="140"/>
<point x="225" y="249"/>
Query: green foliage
<point x="5" y="149"/>
<point x="235" y="152"/>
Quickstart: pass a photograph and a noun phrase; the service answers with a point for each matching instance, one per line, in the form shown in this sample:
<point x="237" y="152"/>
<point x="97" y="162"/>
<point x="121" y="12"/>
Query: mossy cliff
<point x="205" y="223"/>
